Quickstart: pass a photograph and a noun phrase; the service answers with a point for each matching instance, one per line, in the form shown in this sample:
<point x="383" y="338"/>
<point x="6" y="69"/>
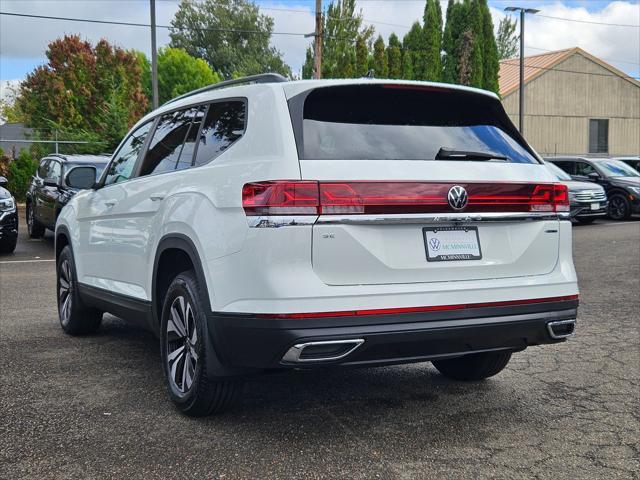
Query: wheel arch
<point x="181" y="249"/>
<point x="62" y="239"/>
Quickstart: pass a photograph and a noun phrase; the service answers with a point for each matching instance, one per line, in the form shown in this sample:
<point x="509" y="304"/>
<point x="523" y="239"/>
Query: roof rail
<point x="261" y="78"/>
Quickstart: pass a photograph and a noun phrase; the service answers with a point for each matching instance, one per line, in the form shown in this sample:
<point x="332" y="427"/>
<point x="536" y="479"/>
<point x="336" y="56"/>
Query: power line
<point x="258" y="32"/>
<point x="589" y="22"/>
<point x="146" y="25"/>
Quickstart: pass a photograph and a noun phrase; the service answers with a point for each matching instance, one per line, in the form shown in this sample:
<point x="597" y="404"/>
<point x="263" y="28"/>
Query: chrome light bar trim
<point x="420" y="218"/>
<point x="278" y="221"/>
<point x="281" y="221"/>
<point x="293" y="354"/>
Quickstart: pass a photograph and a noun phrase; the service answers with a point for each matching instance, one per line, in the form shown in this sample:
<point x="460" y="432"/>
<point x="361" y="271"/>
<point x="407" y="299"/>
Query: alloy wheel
<point x="182" y="345"/>
<point x="65" y="290"/>
<point x="617" y="207"/>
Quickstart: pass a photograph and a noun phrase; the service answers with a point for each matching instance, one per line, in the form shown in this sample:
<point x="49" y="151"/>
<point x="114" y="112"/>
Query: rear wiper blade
<point x="450" y="154"/>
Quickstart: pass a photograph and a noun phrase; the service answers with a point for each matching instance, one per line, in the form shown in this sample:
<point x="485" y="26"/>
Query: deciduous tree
<point x="179" y="72"/>
<point x="94" y="93"/>
<point x="231" y="35"/>
<point x="506" y="38"/>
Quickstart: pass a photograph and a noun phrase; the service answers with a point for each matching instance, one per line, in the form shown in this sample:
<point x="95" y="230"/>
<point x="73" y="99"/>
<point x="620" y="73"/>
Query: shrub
<point x="20" y="172"/>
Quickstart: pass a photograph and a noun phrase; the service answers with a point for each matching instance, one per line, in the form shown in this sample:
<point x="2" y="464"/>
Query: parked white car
<point x="262" y="224"/>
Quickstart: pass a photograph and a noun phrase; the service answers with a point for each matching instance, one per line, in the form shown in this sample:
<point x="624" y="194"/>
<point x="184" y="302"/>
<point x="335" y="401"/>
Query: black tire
<point x="585" y="220"/>
<point x="8" y="245"/>
<point x="619" y="207"/>
<point x="75" y="317"/>
<point x="474" y="367"/>
<point x="34" y="228"/>
<point x="184" y="345"/>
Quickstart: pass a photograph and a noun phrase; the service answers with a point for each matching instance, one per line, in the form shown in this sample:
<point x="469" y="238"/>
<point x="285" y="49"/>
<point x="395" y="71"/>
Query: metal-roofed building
<point x="575" y="104"/>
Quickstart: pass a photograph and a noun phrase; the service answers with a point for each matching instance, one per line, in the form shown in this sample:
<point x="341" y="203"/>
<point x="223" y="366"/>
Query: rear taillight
<point x="280" y="198"/>
<point x="309" y="197"/>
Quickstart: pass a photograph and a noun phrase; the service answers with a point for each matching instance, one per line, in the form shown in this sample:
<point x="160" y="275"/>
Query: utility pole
<point x="318" y="42"/>
<point x="522" y="13"/>
<point x="154" y="56"/>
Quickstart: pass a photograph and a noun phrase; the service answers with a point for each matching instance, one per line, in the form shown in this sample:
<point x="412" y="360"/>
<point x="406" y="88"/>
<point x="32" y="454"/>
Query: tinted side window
<point x="165" y="148"/>
<point x="55" y="169"/>
<point x="122" y="163"/>
<point x="566" y="166"/>
<point x="584" y="169"/>
<point x="42" y="169"/>
<point x="186" y="157"/>
<point x="223" y="125"/>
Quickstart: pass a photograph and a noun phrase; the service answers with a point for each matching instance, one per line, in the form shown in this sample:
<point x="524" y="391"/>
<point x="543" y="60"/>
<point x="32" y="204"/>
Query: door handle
<point x="156" y="198"/>
<point x="109" y="204"/>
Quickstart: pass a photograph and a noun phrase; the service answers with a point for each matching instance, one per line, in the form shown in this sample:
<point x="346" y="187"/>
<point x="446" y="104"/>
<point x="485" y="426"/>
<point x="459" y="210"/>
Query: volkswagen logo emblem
<point x="457" y="197"/>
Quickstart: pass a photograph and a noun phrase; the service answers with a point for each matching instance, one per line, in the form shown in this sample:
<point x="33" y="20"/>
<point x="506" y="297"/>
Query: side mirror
<point x="82" y="178"/>
<point x="50" y="182"/>
<point x="593" y="176"/>
<point x="3" y="182"/>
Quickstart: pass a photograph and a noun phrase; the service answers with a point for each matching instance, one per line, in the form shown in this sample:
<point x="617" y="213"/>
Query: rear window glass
<point x="398" y="122"/>
<point x="223" y="126"/>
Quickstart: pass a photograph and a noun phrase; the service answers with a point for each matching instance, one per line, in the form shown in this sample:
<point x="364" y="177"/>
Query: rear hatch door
<point x="380" y="144"/>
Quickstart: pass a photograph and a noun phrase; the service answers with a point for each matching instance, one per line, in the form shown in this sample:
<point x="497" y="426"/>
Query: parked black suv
<point x="49" y="192"/>
<point x="620" y="181"/>
<point x="8" y="219"/>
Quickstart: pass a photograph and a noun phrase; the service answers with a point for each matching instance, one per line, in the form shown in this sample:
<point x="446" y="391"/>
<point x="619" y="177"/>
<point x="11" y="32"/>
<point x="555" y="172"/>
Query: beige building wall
<point x="559" y="104"/>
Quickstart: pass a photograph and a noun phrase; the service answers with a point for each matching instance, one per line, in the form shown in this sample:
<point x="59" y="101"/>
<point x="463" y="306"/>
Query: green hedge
<point x="19" y="172"/>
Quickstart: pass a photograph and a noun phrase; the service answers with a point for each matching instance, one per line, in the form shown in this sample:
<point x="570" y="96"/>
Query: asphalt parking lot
<point x="95" y="407"/>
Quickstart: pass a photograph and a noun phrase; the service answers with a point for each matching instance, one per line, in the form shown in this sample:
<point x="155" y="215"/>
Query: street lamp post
<point x="522" y="13"/>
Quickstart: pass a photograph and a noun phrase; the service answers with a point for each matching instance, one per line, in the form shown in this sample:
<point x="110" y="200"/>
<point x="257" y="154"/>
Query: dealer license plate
<point x="445" y="244"/>
<point x="595" y="206"/>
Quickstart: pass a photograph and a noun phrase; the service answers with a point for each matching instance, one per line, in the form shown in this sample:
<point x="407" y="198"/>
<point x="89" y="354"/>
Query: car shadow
<point x="293" y="396"/>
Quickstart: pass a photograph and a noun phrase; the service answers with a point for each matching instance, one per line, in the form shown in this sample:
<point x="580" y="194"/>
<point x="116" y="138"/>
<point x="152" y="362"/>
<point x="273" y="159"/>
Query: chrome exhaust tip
<point x="321" y="351"/>
<point x="560" y="329"/>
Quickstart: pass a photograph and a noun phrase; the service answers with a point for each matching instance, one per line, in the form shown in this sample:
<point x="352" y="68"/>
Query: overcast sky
<point x="23" y="41"/>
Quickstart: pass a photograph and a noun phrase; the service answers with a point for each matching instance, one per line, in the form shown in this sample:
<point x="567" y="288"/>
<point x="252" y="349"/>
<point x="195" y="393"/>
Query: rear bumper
<point x="248" y="342"/>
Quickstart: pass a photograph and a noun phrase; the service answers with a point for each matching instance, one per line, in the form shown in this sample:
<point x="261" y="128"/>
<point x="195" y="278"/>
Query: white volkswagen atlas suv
<point x="263" y="224"/>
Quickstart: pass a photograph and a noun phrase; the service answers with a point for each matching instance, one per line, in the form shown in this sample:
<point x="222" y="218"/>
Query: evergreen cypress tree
<point x="407" y="65"/>
<point x="394" y="57"/>
<point x="432" y="41"/>
<point x="362" y="57"/>
<point x="380" y="66"/>
<point x="412" y="42"/>
<point x="475" y="25"/>
<point x="491" y="62"/>
<point x="307" y="68"/>
<point x="342" y="25"/>
<point x="451" y="34"/>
